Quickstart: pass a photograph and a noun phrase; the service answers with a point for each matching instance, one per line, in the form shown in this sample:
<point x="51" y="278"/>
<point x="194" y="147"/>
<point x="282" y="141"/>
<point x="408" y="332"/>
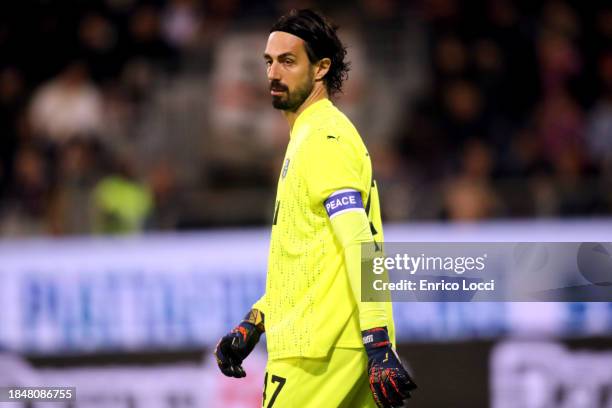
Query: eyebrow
<point x="283" y="55"/>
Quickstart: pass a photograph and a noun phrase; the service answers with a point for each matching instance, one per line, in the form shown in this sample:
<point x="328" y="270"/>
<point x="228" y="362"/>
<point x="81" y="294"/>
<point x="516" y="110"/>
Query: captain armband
<point x="342" y="201"/>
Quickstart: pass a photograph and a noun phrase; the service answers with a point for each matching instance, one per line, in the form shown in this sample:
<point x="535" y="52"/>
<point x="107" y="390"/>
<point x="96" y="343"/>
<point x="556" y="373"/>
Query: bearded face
<point x="290" y="72"/>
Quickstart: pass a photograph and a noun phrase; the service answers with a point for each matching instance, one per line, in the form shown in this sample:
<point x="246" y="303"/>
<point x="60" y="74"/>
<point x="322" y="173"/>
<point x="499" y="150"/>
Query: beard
<point x="291" y="100"/>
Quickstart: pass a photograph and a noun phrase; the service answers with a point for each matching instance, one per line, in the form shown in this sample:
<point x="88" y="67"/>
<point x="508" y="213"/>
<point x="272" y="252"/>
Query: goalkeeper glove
<point x="234" y="347"/>
<point x="389" y="381"/>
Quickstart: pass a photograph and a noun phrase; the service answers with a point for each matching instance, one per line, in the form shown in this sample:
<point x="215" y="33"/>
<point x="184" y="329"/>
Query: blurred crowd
<point x="516" y="120"/>
<point x="125" y="115"/>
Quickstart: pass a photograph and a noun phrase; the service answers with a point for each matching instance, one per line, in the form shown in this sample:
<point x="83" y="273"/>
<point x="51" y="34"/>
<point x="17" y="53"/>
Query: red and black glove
<point x="234" y="347"/>
<point x="389" y="381"/>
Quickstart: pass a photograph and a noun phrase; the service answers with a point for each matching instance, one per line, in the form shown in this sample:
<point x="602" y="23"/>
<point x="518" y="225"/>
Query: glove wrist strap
<point x="256" y="318"/>
<point x="375" y="338"/>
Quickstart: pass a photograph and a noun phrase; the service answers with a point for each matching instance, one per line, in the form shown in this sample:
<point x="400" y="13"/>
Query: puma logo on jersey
<point x="333" y="137"/>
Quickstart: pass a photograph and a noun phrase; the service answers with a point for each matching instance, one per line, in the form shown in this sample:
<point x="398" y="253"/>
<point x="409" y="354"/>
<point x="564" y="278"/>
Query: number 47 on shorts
<point x="280" y="383"/>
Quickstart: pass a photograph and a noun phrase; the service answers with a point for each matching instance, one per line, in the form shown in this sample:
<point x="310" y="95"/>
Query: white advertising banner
<point x="169" y="385"/>
<point x="185" y="290"/>
<point x="538" y="375"/>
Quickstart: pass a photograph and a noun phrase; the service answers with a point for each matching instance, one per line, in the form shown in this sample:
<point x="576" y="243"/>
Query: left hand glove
<point x="235" y="346"/>
<point x="389" y="381"/>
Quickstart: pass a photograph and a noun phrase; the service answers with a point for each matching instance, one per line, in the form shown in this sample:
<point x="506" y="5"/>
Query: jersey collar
<point x="308" y="112"/>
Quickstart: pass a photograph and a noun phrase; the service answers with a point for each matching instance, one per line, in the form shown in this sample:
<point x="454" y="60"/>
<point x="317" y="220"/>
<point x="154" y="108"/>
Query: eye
<point x="289" y="62"/>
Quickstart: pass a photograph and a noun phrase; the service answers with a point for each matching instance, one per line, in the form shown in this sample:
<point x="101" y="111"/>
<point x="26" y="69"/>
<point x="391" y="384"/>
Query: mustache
<point x="277" y="85"/>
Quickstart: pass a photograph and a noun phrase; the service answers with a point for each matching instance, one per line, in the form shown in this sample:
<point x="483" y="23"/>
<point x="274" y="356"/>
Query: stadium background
<point x="140" y="155"/>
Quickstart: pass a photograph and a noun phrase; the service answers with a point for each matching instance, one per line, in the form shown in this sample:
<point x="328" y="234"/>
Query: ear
<point x="322" y="68"/>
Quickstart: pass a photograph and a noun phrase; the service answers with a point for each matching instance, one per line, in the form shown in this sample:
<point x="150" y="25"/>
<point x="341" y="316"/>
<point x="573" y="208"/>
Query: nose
<point x="273" y="71"/>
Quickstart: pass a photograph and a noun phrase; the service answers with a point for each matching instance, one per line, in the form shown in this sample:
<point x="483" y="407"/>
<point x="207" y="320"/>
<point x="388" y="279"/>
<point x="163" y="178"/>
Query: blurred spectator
<point x="146" y="41"/>
<point x="559" y="17"/>
<point x="12" y="101"/>
<point x="513" y="33"/>
<point x="25" y="212"/>
<point x="559" y="61"/>
<point x="599" y="126"/>
<point x="244" y="127"/>
<point x="468" y="201"/>
<point x="167" y="198"/>
<point x="463" y="115"/>
<point x="67" y="106"/>
<point x="394" y="181"/>
<point x="146" y="53"/>
<point x="450" y="58"/>
<point x="72" y="207"/>
<point x="98" y="40"/>
<point x="121" y="204"/>
<point x="181" y="23"/>
<point x="525" y="155"/>
<point x="470" y="195"/>
<point x="560" y="125"/>
<point x="576" y="194"/>
<point x="490" y="72"/>
<point x="383" y="28"/>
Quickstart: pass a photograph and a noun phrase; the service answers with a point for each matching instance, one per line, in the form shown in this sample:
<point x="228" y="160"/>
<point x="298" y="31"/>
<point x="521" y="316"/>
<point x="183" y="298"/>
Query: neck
<point x="318" y="92"/>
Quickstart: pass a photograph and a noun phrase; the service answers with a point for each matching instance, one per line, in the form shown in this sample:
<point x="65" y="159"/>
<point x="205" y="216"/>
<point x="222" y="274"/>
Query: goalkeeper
<point x="326" y="348"/>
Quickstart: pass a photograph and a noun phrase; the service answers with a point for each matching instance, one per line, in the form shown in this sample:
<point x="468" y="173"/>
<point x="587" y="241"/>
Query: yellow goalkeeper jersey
<point x="308" y="304"/>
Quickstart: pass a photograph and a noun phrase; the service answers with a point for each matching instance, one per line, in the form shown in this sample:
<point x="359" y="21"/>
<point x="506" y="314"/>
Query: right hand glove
<point x="389" y="381"/>
<point x="234" y="347"/>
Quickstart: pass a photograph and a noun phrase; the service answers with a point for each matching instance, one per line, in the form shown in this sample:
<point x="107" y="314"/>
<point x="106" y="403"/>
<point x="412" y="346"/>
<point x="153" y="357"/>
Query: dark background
<point x="127" y="115"/>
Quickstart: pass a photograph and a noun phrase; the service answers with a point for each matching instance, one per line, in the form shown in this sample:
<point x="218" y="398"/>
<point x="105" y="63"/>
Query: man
<point x="326" y="347"/>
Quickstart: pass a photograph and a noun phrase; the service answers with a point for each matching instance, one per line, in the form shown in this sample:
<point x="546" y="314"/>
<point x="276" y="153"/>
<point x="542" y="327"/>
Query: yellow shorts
<point x="339" y="380"/>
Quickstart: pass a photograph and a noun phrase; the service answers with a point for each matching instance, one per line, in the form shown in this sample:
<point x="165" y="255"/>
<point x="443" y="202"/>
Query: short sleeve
<point x="332" y="165"/>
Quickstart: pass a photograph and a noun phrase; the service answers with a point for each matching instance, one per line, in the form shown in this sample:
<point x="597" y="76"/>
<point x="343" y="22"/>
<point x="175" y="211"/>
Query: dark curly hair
<point x="321" y="40"/>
